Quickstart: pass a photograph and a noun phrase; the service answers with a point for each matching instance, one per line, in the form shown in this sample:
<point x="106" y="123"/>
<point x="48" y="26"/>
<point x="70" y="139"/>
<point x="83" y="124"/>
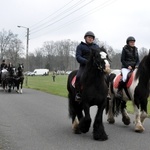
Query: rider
<point x="82" y="56"/>
<point x="3" y="65"/>
<point x="129" y="60"/>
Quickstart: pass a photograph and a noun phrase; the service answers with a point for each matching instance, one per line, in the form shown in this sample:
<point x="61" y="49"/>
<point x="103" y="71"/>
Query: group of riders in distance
<point x="11" y="77"/>
<point x="95" y="84"/>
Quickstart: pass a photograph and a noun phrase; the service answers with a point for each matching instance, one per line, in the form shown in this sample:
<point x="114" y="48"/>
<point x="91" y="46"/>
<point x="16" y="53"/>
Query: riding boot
<point x="120" y="88"/>
<point x="78" y="92"/>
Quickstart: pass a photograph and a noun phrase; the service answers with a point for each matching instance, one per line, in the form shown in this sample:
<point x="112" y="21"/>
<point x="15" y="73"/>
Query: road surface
<point x="36" y="120"/>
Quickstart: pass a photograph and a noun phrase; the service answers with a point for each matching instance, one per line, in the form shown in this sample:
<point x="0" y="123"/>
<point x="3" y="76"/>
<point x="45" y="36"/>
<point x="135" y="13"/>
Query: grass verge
<point x="59" y="87"/>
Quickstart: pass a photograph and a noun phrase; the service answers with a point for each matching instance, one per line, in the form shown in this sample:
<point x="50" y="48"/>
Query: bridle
<point x="98" y="63"/>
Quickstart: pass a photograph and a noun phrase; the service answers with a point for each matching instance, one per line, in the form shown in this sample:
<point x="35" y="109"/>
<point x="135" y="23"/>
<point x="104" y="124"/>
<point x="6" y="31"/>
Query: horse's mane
<point x="89" y="70"/>
<point x="143" y="67"/>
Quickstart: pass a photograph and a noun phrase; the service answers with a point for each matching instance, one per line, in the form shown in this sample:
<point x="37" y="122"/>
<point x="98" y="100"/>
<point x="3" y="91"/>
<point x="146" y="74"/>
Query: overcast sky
<point x="112" y="21"/>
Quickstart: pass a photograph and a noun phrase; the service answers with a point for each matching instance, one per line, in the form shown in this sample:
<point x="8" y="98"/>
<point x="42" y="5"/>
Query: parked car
<point x="68" y="72"/>
<point x="42" y="72"/>
<point x="60" y="72"/>
<point x="29" y="73"/>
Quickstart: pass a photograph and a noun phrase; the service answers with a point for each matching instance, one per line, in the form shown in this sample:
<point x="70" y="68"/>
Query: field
<point x="59" y="87"/>
<point x="46" y="84"/>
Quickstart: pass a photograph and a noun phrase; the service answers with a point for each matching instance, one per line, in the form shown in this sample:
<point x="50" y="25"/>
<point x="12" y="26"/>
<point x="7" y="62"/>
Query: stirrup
<point x="78" y="97"/>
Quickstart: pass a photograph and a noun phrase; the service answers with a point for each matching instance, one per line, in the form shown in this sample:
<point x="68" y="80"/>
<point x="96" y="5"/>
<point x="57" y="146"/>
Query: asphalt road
<point x="39" y="121"/>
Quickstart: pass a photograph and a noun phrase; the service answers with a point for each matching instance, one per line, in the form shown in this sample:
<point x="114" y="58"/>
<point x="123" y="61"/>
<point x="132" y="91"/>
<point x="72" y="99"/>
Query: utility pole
<point x="27" y="50"/>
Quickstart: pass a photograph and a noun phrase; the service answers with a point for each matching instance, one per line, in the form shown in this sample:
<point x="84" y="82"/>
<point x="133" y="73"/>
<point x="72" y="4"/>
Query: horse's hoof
<point x="84" y="125"/>
<point x="100" y="136"/>
<point x="126" y="120"/>
<point x="139" y="128"/>
<point x="75" y="127"/>
<point x="111" y="120"/>
<point x="77" y="130"/>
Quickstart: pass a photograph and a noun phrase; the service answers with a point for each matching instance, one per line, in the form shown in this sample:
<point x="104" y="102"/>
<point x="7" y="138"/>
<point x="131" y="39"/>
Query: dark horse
<point x="94" y="92"/>
<point x="138" y="92"/>
<point x="19" y="78"/>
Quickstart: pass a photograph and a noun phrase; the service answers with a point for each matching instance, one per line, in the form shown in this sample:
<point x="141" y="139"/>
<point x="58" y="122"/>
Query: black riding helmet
<point x="89" y="33"/>
<point x="130" y="38"/>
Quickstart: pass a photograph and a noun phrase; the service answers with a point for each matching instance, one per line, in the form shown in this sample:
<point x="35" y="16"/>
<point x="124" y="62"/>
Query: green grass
<point x="59" y="87"/>
<point x="46" y="84"/>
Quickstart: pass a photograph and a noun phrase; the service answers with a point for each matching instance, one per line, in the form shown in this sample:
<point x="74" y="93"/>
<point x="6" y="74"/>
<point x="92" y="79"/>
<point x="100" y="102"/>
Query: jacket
<point x="129" y="57"/>
<point x="83" y="52"/>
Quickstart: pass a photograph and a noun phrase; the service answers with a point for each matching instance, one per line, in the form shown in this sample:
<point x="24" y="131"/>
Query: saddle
<point x="130" y="78"/>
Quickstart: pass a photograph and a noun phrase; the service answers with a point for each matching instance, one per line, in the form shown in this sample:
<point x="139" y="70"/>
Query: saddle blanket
<point x="119" y="77"/>
<point x="73" y="81"/>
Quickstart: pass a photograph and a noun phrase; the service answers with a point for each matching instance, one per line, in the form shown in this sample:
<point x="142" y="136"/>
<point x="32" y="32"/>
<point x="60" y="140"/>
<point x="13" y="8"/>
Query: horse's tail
<point x="71" y="94"/>
<point x="109" y="82"/>
<point x="112" y="102"/>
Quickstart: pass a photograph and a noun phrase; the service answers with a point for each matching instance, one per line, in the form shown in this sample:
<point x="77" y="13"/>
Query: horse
<point x="94" y="92"/>
<point x="7" y="77"/>
<point x="19" y="78"/>
<point x="136" y="90"/>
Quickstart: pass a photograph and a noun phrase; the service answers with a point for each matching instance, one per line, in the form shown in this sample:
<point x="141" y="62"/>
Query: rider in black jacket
<point x="82" y="55"/>
<point x="130" y="60"/>
<point x="3" y="65"/>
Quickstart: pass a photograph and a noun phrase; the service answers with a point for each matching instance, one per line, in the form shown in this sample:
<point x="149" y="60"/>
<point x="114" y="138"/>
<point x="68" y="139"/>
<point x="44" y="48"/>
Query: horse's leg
<point x="17" y="86"/>
<point x="9" y="87"/>
<point x="85" y="122"/>
<point x="144" y="109"/>
<point x="21" y="83"/>
<point x="110" y="118"/>
<point x="77" y="116"/>
<point x="99" y="131"/>
<point x="143" y="116"/>
<point x="74" y="109"/>
<point x="138" y="125"/>
<point x="75" y="124"/>
<point x="125" y="116"/>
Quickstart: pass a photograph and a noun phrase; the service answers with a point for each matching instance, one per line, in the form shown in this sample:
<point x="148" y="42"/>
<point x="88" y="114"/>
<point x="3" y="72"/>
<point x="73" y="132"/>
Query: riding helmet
<point x="130" y="38"/>
<point x="89" y="33"/>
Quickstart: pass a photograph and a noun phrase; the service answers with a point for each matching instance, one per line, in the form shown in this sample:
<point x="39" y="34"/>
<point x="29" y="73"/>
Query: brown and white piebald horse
<point x="137" y="90"/>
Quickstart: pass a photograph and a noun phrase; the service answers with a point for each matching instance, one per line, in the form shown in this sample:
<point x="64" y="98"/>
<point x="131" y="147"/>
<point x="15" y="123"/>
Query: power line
<point x="63" y="17"/>
<point x="98" y="8"/>
<point x="59" y="15"/>
<point x="52" y="13"/>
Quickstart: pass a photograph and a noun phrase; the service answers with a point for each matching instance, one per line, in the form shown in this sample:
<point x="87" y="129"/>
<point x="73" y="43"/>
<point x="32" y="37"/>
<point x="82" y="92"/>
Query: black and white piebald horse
<point x="137" y="90"/>
<point x="94" y="92"/>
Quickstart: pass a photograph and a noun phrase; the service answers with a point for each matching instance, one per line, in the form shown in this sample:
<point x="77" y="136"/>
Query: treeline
<point x="58" y="55"/>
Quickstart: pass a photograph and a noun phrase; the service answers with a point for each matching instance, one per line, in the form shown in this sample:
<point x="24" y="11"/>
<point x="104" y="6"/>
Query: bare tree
<point x="11" y="47"/>
<point x="5" y="38"/>
<point x="142" y="52"/>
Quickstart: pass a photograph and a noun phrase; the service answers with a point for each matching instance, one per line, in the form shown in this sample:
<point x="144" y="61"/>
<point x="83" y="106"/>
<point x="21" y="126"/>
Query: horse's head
<point x="20" y="68"/>
<point x="101" y="60"/>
